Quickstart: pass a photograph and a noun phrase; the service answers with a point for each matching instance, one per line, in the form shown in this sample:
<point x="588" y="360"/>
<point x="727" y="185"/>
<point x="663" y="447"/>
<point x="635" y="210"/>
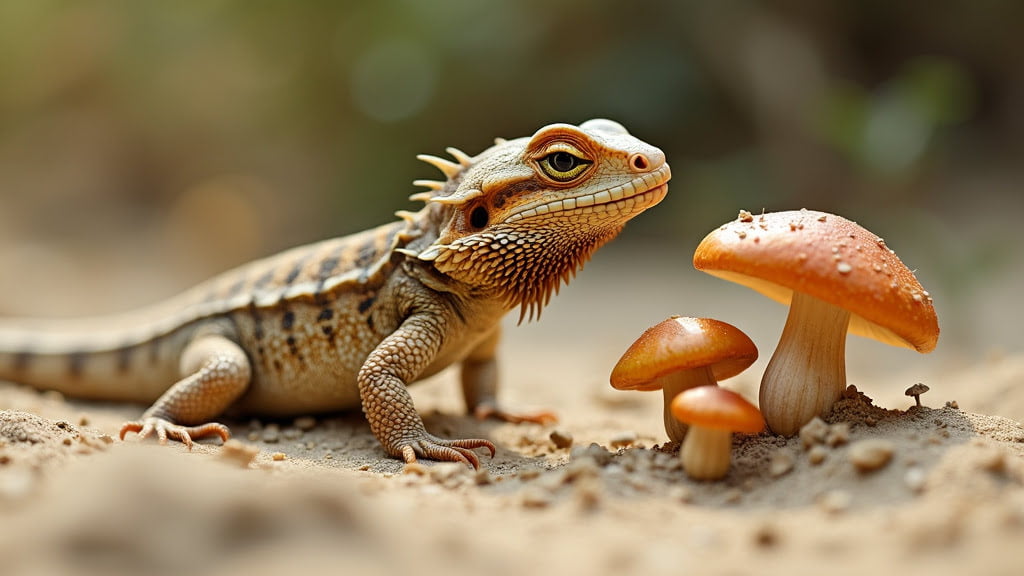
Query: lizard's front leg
<point x="217" y="372"/>
<point x="398" y="359"/>
<point x="480" y="386"/>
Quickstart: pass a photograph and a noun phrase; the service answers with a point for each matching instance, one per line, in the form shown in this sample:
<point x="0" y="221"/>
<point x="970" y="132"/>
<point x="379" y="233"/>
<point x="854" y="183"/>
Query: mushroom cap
<point x="717" y="408"/>
<point x="683" y="343"/>
<point x="830" y="258"/>
<point x="916" y="389"/>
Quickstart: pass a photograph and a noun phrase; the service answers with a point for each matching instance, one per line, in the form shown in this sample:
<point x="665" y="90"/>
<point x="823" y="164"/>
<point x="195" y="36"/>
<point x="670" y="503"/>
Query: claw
<point x="166" y="429"/>
<point x="445" y="450"/>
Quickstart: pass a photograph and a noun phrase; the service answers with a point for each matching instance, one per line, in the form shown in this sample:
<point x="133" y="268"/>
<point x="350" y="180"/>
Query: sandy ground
<point x="319" y="494"/>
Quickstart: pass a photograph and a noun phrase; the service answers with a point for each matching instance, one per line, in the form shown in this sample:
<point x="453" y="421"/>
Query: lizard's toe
<point x="166" y="429"/>
<point x="434" y="448"/>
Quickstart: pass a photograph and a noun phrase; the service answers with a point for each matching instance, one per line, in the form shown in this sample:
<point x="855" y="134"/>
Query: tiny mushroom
<point x="916" y="390"/>
<point x="835" y="275"/>
<point x="682" y="353"/>
<point x="713" y="414"/>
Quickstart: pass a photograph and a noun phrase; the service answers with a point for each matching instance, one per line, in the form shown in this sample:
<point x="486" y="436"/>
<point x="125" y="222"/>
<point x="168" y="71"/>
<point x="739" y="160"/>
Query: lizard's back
<point x="287" y="311"/>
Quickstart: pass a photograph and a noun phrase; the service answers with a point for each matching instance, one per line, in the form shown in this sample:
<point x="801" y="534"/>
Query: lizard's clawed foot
<point x="485" y="411"/>
<point x="166" y="429"/>
<point x="434" y="448"/>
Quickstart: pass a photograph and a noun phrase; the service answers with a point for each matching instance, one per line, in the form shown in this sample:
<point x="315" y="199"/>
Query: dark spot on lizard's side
<point x="293" y="348"/>
<point x="263" y="280"/>
<point x="325" y="315"/>
<point x="76" y="363"/>
<point x="501" y="197"/>
<point x="294" y="272"/>
<point x="327" y="267"/>
<point x="366" y="304"/>
<point x="277" y="365"/>
<point x="328" y="331"/>
<point x="236" y="288"/>
<point x="154" y="350"/>
<point x="22" y="360"/>
<point x="288" y="320"/>
<point x="124" y="358"/>
<point x="257" y="321"/>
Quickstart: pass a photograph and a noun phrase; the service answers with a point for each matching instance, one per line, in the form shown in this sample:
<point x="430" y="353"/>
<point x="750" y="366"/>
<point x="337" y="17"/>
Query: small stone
<point x="414" y="469"/>
<point x="745" y="216"/>
<point x="83" y="420"/>
<point x="271" y="434"/>
<point x="813" y="432"/>
<point x="782" y="462"/>
<point x="835" y="501"/>
<point x="838" y="434"/>
<point x="534" y="497"/>
<point x="915" y="479"/>
<point x="278" y="456"/>
<point x="680" y="494"/>
<point x="766" y="536"/>
<point x="623" y="439"/>
<point x="561" y="439"/>
<point x="953" y="405"/>
<point x="595" y="452"/>
<point x="238" y="452"/>
<point x="291" y="433"/>
<point x="817" y="454"/>
<point x="872" y="454"/>
<point x="304" y="423"/>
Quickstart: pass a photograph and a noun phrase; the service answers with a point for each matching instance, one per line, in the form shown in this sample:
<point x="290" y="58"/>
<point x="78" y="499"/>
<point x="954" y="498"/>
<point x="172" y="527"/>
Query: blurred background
<point x="145" y="146"/>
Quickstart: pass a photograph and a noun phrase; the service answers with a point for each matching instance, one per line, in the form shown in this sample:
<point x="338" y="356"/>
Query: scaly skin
<point x="351" y="321"/>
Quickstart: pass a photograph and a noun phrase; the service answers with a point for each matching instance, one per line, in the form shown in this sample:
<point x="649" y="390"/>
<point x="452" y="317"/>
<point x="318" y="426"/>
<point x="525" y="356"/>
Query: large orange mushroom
<point x="835" y="276"/>
<point x="681" y="353"/>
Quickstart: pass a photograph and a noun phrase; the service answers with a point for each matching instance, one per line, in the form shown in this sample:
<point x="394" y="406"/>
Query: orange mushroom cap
<point x="830" y="258"/>
<point x="717" y="408"/>
<point x="683" y="343"/>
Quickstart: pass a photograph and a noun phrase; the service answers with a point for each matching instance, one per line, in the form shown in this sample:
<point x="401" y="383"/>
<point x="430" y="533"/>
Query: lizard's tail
<point x="84" y="361"/>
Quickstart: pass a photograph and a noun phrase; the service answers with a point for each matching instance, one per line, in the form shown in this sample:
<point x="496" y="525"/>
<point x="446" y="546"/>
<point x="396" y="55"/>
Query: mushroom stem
<point x="706" y="453"/>
<point x="807" y="372"/>
<point x="675" y="384"/>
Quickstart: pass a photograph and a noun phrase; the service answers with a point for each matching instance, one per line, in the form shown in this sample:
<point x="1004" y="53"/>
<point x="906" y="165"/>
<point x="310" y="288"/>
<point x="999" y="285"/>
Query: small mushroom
<point x="835" y="275"/>
<point x="682" y="353"/>
<point x="713" y="414"/>
<point x="915" y="392"/>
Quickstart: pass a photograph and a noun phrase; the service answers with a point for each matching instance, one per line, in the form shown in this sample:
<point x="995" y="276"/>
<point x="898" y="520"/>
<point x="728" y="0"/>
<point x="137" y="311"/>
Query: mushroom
<point x="835" y="275"/>
<point x="915" y="392"/>
<point x="682" y="353"/>
<point x="713" y="414"/>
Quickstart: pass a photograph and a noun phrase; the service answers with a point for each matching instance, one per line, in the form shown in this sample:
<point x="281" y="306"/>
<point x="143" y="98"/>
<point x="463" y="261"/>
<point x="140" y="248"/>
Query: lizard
<point x="351" y="321"/>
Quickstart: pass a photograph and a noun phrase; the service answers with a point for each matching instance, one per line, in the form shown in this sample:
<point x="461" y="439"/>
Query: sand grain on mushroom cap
<point x="835" y="276"/>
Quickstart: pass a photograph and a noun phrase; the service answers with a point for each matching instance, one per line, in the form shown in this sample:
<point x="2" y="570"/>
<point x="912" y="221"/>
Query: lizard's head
<point x="524" y="215"/>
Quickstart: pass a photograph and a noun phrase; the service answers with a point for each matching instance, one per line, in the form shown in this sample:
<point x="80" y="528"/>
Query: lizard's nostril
<point x="639" y="163"/>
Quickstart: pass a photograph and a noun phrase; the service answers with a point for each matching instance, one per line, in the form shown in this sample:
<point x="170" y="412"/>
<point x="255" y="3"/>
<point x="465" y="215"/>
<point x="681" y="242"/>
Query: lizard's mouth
<point x="632" y="197"/>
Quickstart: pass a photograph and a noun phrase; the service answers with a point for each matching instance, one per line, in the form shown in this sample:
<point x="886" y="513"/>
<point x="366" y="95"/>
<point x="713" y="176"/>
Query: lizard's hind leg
<point x="216" y="373"/>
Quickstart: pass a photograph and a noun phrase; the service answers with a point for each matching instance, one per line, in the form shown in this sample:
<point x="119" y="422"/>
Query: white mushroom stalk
<point x="807" y="373"/>
<point x="706" y="453"/>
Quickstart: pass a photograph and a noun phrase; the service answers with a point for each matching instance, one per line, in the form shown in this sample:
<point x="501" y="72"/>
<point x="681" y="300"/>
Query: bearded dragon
<point x="351" y="321"/>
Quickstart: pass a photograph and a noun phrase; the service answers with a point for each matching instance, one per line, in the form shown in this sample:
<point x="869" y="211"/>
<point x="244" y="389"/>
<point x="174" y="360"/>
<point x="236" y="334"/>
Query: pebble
<point x="872" y="454"/>
<point x="915" y="479"/>
<point x="817" y="455"/>
<point x="623" y="439"/>
<point x="782" y="462"/>
<point x="838" y="434"/>
<point x="561" y="439"/>
<point x="534" y="497"/>
<point x="272" y="433"/>
<point x="835" y="501"/>
<point x="238" y="452"/>
<point x="813" y="432"/>
<point x="304" y="423"/>
<point x="278" y="456"/>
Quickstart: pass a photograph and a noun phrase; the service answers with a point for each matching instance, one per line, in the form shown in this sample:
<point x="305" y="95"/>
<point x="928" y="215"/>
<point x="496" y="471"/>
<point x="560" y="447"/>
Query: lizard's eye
<point x="563" y="166"/>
